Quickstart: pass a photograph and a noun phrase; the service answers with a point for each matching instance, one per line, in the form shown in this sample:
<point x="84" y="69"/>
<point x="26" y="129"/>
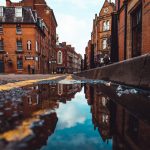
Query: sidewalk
<point x="9" y="82"/>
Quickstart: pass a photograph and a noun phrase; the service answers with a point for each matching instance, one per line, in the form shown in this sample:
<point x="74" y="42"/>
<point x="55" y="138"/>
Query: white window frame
<point x="108" y="25"/>
<point x="104" y="43"/>
<point x="29" y="45"/>
<point x="36" y="46"/>
<point x="1" y="11"/>
<point x="59" y="57"/>
<point x="104" y="26"/>
<point x="18" y="12"/>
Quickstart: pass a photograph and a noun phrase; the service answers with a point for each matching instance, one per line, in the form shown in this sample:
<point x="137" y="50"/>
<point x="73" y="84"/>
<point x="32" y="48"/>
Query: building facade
<point x="98" y="48"/>
<point x="68" y="61"/>
<point x="27" y="37"/>
<point x="133" y="28"/>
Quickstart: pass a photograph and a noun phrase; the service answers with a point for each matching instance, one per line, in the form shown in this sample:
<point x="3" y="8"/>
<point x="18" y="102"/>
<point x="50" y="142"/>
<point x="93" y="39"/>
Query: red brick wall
<point x="10" y="37"/>
<point x="146" y="27"/>
<point x="121" y="26"/>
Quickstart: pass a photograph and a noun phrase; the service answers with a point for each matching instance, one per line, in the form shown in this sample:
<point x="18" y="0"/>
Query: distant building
<point x="27" y="37"/>
<point x="68" y="61"/>
<point x="99" y="46"/>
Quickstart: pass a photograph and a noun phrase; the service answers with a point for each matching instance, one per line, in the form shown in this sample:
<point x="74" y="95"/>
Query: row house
<point x="98" y="48"/>
<point x="23" y="41"/>
<point x="68" y="61"/>
<point x="130" y="28"/>
<point x="45" y="59"/>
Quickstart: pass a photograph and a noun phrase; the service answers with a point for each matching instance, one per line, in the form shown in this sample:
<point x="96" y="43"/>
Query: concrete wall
<point x="133" y="72"/>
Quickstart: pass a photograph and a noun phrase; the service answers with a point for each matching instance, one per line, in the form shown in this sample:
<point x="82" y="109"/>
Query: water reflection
<point x="76" y="116"/>
<point x="27" y="123"/>
<point x="124" y="118"/>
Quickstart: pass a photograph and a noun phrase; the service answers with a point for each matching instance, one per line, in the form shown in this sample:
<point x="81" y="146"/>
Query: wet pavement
<point x="70" y="115"/>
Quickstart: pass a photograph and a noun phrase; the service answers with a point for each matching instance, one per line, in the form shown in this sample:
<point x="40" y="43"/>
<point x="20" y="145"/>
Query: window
<point x="19" y="45"/>
<point x="59" y="57"/>
<point x="1" y="11"/>
<point x="36" y="46"/>
<point x="1" y="29"/>
<point x="1" y="45"/>
<point x="137" y="31"/>
<point x="60" y="89"/>
<point x="18" y="29"/>
<point x="28" y="45"/>
<point x="19" y="63"/>
<point x="106" y="25"/>
<point x="18" y="11"/>
<point x="104" y="43"/>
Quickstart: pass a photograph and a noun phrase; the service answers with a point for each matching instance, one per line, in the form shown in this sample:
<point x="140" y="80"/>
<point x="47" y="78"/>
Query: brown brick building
<point x="68" y="61"/>
<point x="27" y="37"/>
<point x="100" y="36"/>
<point x="133" y="28"/>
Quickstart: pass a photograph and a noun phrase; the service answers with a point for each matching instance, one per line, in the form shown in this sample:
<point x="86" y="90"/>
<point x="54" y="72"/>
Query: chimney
<point x="8" y="3"/>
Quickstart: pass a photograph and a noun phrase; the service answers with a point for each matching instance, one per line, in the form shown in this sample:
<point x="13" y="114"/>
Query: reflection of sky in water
<point x="75" y="129"/>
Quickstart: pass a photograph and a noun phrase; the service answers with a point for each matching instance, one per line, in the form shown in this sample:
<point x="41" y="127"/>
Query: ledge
<point x="133" y="72"/>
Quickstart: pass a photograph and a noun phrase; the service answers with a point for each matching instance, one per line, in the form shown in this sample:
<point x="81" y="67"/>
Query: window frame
<point x="29" y="49"/>
<point x="104" y="26"/>
<point x="18" y="29"/>
<point x="19" y="46"/>
<point x="105" y="39"/>
<point x="108" y="25"/>
<point x="136" y="31"/>
<point x="60" y="58"/>
<point x="18" y="12"/>
<point x="1" y="45"/>
<point x="1" y="29"/>
<point x="1" y="11"/>
<point x="18" y="65"/>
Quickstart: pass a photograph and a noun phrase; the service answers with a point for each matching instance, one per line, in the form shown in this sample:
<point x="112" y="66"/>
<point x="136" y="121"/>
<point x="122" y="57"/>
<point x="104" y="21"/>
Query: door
<point x="1" y="66"/>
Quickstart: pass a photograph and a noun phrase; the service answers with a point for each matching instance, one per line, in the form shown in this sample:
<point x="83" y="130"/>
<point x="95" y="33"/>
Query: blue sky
<point x="74" y="19"/>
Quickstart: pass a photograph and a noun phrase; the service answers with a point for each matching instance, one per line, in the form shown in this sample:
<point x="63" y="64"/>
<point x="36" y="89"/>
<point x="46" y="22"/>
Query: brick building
<point x="132" y="25"/>
<point x="100" y="36"/>
<point x="27" y="37"/>
<point x="68" y="61"/>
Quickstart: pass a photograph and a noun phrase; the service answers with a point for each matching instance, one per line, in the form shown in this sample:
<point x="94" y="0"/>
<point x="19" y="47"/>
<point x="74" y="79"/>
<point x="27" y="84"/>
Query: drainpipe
<point x="125" y="30"/>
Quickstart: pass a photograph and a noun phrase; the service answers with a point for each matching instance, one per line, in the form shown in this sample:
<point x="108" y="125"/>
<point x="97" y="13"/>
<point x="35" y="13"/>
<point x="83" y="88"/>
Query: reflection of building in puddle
<point x="89" y="93"/>
<point x="130" y="132"/>
<point x="121" y="118"/>
<point x="21" y="115"/>
<point x="31" y="137"/>
<point x="101" y="114"/>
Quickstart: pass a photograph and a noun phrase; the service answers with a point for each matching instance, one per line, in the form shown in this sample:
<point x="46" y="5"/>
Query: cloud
<point x="73" y="30"/>
<point x="73" y="113"/>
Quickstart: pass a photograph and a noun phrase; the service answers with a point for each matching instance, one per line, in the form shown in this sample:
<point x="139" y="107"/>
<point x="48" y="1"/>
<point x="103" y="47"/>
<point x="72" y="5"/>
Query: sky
<point x="75" y="19"/>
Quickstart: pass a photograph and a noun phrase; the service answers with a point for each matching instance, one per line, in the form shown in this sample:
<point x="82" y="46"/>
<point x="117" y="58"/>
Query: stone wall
<point x="133" y="72"/>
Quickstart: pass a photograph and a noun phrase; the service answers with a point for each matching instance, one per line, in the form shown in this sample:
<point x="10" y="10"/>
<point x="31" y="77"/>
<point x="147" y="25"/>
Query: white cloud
<point x="73" y="30"/>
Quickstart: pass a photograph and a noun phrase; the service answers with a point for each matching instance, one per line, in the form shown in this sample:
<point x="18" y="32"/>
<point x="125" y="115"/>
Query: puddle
<point x="74" y="114"/>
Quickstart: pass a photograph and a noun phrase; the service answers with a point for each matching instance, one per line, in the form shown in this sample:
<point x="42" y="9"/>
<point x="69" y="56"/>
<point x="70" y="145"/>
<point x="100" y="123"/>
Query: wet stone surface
<point x="71" y="115"/>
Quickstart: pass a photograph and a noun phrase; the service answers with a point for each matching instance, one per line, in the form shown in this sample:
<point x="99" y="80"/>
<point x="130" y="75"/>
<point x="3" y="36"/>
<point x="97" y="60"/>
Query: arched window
<point x="28" y="45"/>
<point x="104" y="43"/>
<point x="60" y="89"/>
<point x="59" y="57"/>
